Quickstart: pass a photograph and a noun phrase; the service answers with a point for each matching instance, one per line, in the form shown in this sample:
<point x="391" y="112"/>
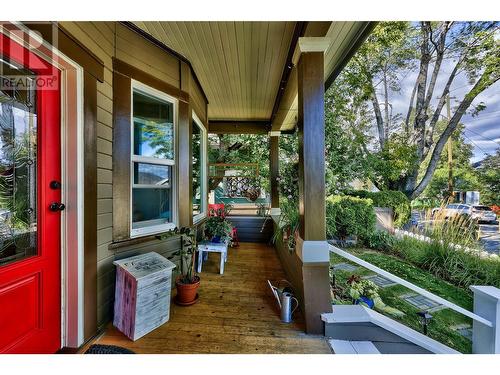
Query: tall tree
<point x="390" y="54"/>
<point x="489" y="175"/>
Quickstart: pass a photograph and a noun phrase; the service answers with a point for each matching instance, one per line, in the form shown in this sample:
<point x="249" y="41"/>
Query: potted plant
<point x="218" y="229"/>
<point x="365" y="292"/>
<point x="288" y="224"/>
<point x="187" y="283"/>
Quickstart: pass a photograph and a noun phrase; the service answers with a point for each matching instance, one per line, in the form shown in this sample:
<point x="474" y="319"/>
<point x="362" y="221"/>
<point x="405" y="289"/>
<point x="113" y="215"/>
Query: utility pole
<point x="450" y="154"/>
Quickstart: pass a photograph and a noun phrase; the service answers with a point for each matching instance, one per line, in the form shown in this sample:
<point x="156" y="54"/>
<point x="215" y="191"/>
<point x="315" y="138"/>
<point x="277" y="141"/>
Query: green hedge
<point x="349" y="216"/>
<point x="396" y="200"/>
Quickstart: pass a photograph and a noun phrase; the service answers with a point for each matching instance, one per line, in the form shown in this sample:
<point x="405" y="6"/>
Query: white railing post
<point x="486" y="340"/>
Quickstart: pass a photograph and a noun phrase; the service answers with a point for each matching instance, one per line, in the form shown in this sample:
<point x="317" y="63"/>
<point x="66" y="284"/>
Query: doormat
<point x="107" y="349"/>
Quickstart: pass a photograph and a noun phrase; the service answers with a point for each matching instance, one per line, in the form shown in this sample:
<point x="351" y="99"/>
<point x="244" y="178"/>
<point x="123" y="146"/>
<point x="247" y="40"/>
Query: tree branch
<point x="439" y="108"/>
<point x="410" y="108"/>
<point x="489" y="77"/>
<point x="420" y="113"/>
<point x="439" y="47"/>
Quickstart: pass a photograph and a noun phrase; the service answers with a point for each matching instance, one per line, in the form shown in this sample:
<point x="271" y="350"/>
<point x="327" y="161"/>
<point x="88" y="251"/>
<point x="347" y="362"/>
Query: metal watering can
<point x="285" y="299"/>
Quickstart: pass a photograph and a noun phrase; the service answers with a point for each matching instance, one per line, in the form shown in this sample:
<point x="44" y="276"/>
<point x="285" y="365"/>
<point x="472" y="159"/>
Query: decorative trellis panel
<point x="241" y="187"/>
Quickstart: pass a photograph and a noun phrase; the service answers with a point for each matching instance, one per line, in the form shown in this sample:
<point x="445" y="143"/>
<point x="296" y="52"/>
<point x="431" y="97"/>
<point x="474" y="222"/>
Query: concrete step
<point x="352" y="347"/>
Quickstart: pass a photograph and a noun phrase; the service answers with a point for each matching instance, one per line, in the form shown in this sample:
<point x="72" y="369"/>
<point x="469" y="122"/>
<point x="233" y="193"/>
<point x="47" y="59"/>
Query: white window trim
<point x="204" y="153"/>
<point x="153" y="229"/>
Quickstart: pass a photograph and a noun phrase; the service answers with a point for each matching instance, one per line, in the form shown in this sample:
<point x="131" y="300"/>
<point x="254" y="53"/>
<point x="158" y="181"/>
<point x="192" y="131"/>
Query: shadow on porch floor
<point x="236" y="313"/>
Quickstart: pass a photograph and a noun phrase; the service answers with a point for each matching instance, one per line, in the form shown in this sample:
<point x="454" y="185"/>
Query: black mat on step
<point x="107" y="349"/>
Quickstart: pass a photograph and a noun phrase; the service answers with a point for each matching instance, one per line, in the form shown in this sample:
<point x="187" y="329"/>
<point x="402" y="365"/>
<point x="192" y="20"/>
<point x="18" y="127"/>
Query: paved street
<point x="490" y="237"/>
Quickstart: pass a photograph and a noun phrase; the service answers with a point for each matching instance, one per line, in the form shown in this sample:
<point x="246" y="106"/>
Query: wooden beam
<point x="299" y="30"/>
<point x="90" y="207"/>
<point x="368" y="28"/>
<point x="311" y="243"/>
<point x="238" y="127"/>
<point x="274" y="170"/>
<point x="184" y="158"/>
<point x="284" y="116"/>
<point x="311" y="124"/>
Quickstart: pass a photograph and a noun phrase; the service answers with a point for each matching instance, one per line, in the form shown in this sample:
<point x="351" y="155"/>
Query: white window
<point x="153" y="203"/>
<point x="199" y="169"/>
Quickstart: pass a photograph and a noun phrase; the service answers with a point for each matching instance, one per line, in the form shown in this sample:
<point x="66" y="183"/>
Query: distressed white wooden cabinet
<point x="142" y="296"/>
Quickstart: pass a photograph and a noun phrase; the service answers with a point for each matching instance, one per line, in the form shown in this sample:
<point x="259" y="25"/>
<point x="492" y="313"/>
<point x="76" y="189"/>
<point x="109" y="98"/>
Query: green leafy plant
<point x="288" y="223"/>
<point x="218" y="226"/>
<point x="380" y="240"/>
<point x="262" y="209"/>
<point x="361" y="287"/>
<point x="187" y="252"/>
<point x="463" y="265"/>
<point x="349" y="216"/>
<point x="365" y="288"/>
<point x="396" y="200"/>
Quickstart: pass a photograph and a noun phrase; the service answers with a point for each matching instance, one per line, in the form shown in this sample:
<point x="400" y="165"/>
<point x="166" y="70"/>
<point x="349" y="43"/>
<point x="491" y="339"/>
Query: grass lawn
<point x="440" y="326"/>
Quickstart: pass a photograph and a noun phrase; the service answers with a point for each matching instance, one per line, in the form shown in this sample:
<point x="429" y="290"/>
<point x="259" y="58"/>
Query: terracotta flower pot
<point x="186" y="293"/>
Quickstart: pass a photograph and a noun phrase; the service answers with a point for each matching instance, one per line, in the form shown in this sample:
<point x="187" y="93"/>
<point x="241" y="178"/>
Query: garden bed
<point x="447" y="326"/>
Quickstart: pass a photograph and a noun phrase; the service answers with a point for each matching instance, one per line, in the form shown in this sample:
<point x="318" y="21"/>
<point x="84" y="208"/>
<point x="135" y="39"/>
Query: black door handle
<point x="56" y="206"/>
<point x="55" y="185"/>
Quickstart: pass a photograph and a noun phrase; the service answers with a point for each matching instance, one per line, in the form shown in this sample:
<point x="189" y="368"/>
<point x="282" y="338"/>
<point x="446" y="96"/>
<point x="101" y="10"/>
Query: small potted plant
<point x="218" y="229"/>
<point x="365" y="292"/>
<point x="187" y="283"/>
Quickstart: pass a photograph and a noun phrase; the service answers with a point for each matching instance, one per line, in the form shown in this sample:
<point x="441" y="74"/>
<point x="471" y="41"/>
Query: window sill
<point x="199" y="218"/>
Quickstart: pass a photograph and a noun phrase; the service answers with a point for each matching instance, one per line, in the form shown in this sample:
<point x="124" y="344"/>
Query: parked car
<point x="483" y="213"/>
<point x="453" y="209"/>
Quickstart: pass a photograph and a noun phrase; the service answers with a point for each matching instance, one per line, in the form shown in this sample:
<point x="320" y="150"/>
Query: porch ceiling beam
<point x="239" y="127"/>
<point x="348" y="54"/>
<point x="298" y="32"/>
<point x="287" y="90"/>
<point x="285" y="118"/>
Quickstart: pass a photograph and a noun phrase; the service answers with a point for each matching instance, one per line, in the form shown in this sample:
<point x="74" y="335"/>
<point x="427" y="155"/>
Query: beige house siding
<point x="108" y="40"/>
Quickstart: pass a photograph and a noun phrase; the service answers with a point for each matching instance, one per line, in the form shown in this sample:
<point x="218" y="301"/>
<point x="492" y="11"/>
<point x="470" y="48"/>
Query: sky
<point x="483" y="130"/>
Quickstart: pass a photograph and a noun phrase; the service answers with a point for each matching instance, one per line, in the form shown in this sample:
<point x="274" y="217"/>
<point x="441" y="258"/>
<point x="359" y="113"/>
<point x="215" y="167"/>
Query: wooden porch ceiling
<point x="240" y="65"/>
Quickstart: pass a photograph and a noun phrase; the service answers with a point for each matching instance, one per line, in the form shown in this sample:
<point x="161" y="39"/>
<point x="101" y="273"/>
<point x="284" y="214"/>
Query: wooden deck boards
<point x="236" y="313"/>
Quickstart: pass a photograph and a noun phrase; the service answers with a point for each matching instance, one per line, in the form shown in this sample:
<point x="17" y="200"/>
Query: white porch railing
<point x="486" y="332"/>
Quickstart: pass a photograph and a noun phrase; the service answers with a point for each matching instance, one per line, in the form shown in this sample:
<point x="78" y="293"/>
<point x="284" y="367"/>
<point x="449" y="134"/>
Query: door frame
<point x="72" y="175"/>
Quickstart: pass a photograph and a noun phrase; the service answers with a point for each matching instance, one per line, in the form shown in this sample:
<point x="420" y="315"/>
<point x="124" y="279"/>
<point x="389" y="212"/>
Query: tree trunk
<point x="378" y="117"/>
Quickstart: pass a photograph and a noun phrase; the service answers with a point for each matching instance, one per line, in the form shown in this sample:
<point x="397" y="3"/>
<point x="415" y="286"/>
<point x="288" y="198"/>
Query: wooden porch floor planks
<point x="236" y="313"/>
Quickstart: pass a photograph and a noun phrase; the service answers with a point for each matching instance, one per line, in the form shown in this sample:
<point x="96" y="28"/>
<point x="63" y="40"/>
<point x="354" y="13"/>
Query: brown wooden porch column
<point x="274" y="169"/>
<point x="184" y="158"/>
<point x="312" y="247"/>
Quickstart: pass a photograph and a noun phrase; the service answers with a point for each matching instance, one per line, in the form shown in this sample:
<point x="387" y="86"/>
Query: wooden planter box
<point x="142" y="296"/>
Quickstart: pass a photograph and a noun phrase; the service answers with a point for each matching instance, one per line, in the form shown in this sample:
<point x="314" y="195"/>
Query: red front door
<point x="30" y="170"/>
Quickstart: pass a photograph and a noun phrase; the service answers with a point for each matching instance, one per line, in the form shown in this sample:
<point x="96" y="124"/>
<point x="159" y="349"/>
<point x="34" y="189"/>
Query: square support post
<point x="312" y="247"/>
<point x="486" y="340"/>
<point x="184" y="158"/>
<point x="274" y="171"/>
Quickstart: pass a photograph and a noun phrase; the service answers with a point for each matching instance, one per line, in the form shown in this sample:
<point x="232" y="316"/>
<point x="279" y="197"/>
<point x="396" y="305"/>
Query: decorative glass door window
<point x="18" y="169"/>
<point x="153" y="161"/>
<point x="199" y="169"/>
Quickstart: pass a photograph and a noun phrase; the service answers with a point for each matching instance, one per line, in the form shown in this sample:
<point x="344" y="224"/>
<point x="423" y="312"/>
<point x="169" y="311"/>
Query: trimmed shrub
<point x="396" y="200"/>
<point x="380" y="240"/>
<point x="349" y="216"/>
